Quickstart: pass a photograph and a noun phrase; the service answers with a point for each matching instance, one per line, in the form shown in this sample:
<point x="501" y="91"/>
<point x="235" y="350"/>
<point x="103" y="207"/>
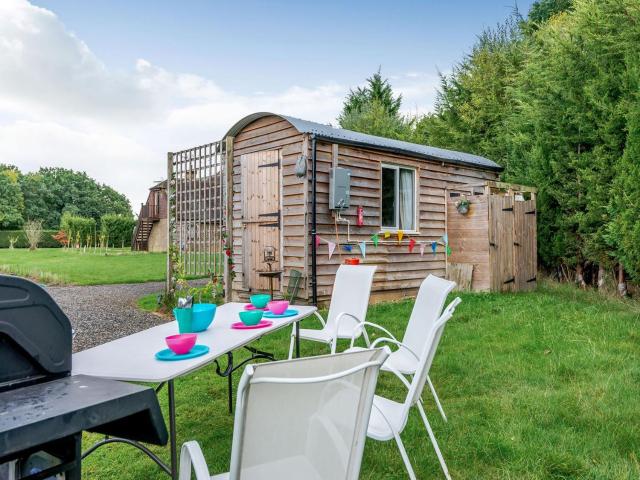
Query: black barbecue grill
<point x="43" y="409"/>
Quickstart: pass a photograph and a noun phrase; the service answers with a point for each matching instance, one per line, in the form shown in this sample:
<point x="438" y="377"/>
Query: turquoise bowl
<point x="251" y="317"/>
<point x="260" y="300"/>
<point x="203" y="314"/>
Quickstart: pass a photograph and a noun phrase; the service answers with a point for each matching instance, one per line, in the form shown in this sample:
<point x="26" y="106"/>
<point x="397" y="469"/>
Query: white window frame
<point x="397" y="168"/>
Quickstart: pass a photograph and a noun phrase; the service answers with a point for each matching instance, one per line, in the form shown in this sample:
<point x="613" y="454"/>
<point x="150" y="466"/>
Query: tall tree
<point x="375" y="109"/>
<point x="11" y="200"/>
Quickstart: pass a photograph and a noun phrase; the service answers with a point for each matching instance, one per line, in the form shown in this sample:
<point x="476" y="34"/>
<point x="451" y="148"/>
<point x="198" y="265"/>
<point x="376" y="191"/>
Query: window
<point x="398" y="198"/>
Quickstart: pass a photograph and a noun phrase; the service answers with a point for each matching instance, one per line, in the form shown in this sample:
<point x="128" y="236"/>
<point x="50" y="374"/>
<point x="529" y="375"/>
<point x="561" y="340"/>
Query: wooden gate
<point x="512" y="243"/>
<point x="261" y="216"/>
<point x="525" y="244"/>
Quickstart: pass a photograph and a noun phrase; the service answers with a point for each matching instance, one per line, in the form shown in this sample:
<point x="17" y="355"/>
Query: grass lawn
<point x="60" y="266"/>
<point x="536" y="385"/>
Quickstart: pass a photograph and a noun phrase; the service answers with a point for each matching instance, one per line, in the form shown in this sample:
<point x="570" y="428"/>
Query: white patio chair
<point x="388" y="418"/>
<point x="304" y="418"/>
<point x="348" y="307"/>
<point x="426" y="311"/>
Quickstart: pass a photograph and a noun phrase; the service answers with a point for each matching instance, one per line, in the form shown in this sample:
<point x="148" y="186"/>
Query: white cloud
<point x="61" y="106"/>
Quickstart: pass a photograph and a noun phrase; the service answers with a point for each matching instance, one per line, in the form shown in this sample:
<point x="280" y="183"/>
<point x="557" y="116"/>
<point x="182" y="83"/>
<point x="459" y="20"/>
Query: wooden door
<point x="525" y="245"/>
<point x="501" y="243"/>
<point x="261" y="216"/>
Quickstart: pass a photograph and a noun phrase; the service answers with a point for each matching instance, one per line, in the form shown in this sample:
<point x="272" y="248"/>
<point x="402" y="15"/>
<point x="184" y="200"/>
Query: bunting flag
<point x="434" y="246"/>
<point x="317" y="241"/>
<point x="400" y="235"/>
<point x="332" y="247"/>
<point x="445" y="239"/>
<point x="363" y="249"/>
<point x="422" y="245"/>
<point x="448" y="250"/>
<point x="347" y="248"/>
<point x="374" y="239"/>
<point x="412" y="244"/>
<point x="387" y="234"/>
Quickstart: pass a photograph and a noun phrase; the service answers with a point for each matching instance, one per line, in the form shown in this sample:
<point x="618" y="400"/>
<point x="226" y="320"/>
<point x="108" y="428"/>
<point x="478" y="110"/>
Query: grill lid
<point x="35" y="334"/>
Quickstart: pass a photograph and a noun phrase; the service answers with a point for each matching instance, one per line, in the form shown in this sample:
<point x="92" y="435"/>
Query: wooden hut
<point x="281" y="198"/>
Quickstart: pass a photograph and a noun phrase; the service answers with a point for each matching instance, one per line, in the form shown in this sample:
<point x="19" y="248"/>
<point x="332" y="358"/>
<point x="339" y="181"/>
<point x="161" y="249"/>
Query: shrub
<point x="116" y="230"/>
<point x="33" y="232"/>
<point x="79" y="230"/>
<point x="47" y="240"/>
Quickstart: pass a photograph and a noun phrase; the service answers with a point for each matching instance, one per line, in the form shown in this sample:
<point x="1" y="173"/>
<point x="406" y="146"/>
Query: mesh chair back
<point x="295" y="276"/>
<point x="428" y="353"/>
<point x="426" y="311"/>
<point x="351" y="291"/>
<point x="305" y="418"/>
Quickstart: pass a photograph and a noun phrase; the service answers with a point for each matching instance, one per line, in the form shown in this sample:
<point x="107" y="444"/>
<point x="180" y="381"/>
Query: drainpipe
<point x="314" y="279"/>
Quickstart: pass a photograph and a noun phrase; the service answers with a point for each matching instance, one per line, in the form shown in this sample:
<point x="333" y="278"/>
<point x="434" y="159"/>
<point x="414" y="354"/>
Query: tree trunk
<point x="601" y="274"/>
<point x="580" y="276"/>
<point x="622" y="283"/>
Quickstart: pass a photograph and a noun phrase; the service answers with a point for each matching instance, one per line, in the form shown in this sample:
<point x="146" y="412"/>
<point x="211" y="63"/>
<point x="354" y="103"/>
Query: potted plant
<point x="463" y="205"/>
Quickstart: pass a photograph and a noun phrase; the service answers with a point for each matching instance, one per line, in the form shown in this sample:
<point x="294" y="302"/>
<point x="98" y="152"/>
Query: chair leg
<point x="366" y="338"/>
<point x="434" y="442"/>
<point x="435" y="397"/>
<point x="293" y="339"/>
<point x="405" y="457"/>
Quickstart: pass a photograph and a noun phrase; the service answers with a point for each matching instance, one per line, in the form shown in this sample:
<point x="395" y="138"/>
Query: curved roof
<point x="349" y="137"/>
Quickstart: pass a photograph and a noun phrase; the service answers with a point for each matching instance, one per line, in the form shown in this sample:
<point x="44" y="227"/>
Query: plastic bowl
<point x="251" y="317"/>
<point x="182" y="343"/>
<point x="203" y="314"/>
<point x="278" y="307"/>
<point x="260" y="300"/>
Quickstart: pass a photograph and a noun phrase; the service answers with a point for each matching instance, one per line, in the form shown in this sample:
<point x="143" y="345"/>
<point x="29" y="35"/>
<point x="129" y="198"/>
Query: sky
<point x="109" y="86"/>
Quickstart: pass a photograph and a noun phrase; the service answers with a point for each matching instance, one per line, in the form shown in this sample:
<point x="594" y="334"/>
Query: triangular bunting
<point x="445" y="239"/>
<point x="363" y="249"/>
<point x="412" y="244"/>
<point x="347" y="248"/>
<point x="400" y="235"/>
<point x="332" y="247"/>
<point x="434" y="247"/>
<point x="317" y="241"/>
<point x="375" y="239"/>
<point x="448" y="250"/>
<point x="387" y="234"/>
<point x="422" y="245"/>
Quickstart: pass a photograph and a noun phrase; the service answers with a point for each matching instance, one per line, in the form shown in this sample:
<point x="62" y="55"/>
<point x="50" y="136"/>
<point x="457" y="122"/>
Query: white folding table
<point x="132" y="359"/>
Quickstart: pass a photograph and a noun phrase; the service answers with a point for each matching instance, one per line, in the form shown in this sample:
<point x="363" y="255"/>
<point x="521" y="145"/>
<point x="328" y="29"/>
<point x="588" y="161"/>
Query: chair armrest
<point x="400" y="376"/>
<point x="320" y="318"/>
<point x="339" y="318"/>
<point x="191" y="455"/>
<point x="395" y="342"/>
<point x="361" y="325"/>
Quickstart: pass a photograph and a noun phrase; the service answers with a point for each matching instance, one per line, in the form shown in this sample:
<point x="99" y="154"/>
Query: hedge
<point x="46" y="242"/>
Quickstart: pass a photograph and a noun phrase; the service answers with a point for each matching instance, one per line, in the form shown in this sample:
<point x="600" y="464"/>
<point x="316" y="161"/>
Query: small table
<point x="132" y="359"/>
<point x="270" y="274"/>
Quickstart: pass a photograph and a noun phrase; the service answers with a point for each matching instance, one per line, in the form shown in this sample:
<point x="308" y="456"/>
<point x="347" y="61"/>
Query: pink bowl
<point x="181" y="344"/>
<point x="277" y="307"/>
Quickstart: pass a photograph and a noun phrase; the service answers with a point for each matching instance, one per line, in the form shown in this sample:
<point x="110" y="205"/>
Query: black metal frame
<point x="172" y="469"/>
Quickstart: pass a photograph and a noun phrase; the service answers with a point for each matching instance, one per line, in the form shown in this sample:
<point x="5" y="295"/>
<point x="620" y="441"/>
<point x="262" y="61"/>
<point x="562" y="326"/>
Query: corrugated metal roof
<point x="340" y="135"/>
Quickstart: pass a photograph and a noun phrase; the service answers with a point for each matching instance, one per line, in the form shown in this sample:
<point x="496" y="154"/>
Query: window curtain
<point x="407" y="198"/>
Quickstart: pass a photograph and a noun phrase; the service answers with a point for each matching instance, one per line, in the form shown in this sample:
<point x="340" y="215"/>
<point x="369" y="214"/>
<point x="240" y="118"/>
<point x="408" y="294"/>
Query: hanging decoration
<point x="318" y="241"/>
<point x="422" y="245"/>
<point x="412" y="244"/>
<point x="363" y="249"/>
<point x="375" y="239"/>
<point x="347" y="248"/>
<point x="448" y="250"/>
<point x="434" y="247"/>
<point x="332" y="247"/>
<point x="387" y="234"/>
<point x="400" y="235"/>
<point x="445" y="239"/>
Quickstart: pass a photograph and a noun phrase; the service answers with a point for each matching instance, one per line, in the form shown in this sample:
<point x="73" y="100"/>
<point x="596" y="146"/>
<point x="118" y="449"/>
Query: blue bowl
<point x="203" y="314"/>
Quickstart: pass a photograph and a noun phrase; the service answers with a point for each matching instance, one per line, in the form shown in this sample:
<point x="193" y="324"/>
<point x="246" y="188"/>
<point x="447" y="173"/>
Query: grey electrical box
<point x="339" y="188"/>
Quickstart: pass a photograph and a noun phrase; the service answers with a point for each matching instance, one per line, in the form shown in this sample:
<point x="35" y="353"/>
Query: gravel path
<point x="102" y="313"/>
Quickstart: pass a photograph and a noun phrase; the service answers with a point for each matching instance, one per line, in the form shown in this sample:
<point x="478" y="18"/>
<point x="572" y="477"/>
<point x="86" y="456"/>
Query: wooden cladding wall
<point x="272" y="133"/>
<point x="399" y="272"/>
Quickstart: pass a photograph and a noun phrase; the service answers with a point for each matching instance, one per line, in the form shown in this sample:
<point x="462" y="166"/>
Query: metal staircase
<point x="149" y="213"/>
